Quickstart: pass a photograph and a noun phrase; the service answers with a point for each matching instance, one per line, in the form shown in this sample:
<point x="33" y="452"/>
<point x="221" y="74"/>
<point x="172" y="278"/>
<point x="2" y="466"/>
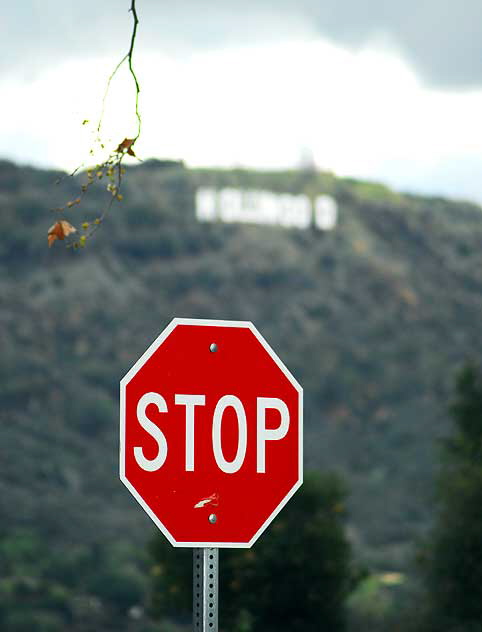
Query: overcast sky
<point x="378" y="89"/>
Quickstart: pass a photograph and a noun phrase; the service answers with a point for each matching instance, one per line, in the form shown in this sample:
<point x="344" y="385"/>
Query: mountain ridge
<point x="372" y="318"/>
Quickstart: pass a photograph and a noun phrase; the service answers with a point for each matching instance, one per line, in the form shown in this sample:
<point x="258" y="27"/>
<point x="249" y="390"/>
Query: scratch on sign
<point x="210" y="500"/>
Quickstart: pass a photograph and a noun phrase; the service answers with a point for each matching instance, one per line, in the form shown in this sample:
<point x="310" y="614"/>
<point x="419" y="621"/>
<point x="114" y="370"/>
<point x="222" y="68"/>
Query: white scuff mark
<point x="210" y="500"/>
<point x="201" y="503"/>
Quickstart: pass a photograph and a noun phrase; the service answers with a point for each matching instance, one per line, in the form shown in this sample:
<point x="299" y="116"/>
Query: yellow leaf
<point x="73" y="202"/>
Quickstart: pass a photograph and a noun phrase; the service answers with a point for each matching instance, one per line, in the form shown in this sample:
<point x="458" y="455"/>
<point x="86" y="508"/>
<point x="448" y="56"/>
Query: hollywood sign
<point x="264" y="207"/>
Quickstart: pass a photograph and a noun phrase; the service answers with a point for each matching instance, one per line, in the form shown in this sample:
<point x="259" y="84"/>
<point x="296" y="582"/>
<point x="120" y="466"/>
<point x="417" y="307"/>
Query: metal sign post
<point x="205" y="590"/>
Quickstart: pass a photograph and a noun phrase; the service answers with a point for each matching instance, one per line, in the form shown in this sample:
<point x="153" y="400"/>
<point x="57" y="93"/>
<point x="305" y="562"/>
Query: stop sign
<point x="211" y="433"/>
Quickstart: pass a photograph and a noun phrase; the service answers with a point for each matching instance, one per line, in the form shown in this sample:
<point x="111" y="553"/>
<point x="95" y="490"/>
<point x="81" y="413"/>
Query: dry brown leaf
<point x="126" y="145"/>
<point x="60" y="230"/>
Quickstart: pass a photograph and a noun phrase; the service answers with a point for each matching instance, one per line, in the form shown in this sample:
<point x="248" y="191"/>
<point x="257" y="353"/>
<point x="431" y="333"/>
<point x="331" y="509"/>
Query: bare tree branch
<point x="131" y="69"/>
<point x="111" y="167"/>
<point x="127" y="57"/>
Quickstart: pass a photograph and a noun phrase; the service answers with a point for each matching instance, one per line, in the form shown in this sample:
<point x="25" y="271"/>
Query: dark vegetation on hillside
<point x="372" y="318"/>
<point x="451" y="557"/>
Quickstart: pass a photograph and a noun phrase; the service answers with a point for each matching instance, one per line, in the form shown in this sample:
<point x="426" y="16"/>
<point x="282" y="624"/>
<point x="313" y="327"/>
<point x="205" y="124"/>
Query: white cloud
<point x="441" y="39"/>
<point x="363" y="114"/>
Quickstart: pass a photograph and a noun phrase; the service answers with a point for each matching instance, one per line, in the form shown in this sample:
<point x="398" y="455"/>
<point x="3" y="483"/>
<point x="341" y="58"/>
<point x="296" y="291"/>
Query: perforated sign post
<point x="210" y="441"/>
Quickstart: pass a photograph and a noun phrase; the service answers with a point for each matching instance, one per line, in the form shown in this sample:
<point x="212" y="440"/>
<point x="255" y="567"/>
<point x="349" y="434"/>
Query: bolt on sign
<point x="210" y="438"/>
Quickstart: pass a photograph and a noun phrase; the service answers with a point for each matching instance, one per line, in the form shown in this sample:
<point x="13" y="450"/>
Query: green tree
<point x="296" y="577"/>
<point x="453" y="555"/>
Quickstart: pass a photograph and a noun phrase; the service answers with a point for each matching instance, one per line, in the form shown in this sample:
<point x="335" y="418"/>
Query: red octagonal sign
<point x="211" y="433"/>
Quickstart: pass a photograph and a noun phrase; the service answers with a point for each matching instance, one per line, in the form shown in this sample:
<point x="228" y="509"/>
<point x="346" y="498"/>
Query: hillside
<point x="373" y="318"/>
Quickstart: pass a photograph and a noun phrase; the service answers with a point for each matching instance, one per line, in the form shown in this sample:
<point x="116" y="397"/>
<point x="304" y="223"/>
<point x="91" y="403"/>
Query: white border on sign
<point x="138" y="365"/>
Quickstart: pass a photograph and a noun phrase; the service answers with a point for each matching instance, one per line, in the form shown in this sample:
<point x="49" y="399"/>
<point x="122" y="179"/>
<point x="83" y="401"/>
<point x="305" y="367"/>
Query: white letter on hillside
<point x="206" y="205"/>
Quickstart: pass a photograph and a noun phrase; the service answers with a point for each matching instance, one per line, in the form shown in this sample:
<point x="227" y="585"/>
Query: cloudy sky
<point x="378" y="89"/>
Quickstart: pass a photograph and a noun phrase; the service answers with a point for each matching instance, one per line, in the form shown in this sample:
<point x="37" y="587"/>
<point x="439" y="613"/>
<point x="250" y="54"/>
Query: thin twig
<point x="106" y="92"/>
<point x="131" y="69"/>
<point x="127" y="57"/>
